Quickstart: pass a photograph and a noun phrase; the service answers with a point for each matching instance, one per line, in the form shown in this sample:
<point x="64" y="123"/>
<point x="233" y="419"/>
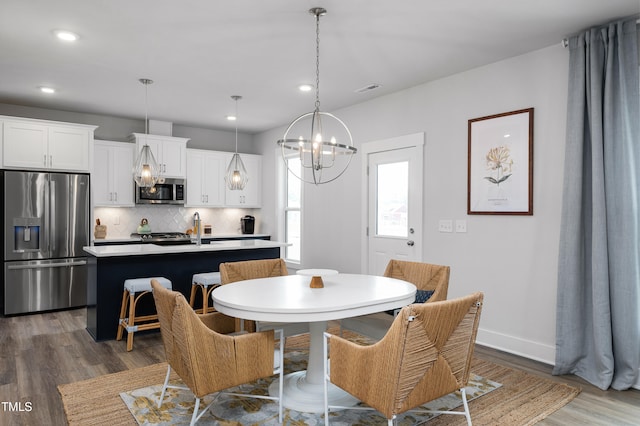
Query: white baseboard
<point x="515" y="345"/>
<point x="522" y="347"/>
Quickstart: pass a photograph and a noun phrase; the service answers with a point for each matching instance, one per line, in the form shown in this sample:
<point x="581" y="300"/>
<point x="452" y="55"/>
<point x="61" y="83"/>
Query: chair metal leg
<point x="194" y="417"/>
<point x="164" y="386"/>
<point x="467" y="414"/>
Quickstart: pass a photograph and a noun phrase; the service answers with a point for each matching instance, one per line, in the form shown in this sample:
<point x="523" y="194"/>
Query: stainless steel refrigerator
<point x="46" y="224"/>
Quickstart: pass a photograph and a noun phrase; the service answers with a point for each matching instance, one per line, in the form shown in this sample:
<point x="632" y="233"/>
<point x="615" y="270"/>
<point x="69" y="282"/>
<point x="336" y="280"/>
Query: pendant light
<point x="324" y="148"/>
<point x="146" y="170"/>
<point x="236" y="176"/>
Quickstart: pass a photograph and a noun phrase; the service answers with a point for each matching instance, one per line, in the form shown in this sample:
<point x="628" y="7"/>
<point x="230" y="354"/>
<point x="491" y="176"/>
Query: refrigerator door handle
<point x="48" y="265"/>
<point x="52" y="216"/>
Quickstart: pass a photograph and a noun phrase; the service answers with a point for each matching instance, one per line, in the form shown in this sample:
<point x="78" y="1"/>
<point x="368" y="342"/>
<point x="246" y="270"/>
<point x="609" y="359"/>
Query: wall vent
<point x="367" y="88"/>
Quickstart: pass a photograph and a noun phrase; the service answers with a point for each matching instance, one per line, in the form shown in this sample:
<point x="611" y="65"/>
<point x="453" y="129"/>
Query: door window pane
<point x="392" y="199"/>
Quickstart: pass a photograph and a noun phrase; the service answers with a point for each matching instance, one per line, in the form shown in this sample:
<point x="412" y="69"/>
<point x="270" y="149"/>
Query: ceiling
<point x="201" y="52"/>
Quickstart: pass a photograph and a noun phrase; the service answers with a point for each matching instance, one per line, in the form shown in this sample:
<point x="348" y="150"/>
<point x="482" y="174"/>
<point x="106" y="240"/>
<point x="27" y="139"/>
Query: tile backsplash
<point x="122" y="221"/>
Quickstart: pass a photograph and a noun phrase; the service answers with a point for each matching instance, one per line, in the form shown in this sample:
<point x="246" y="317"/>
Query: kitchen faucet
<point x="196" y="223"/>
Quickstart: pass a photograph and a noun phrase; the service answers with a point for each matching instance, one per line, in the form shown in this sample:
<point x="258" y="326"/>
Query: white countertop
<point x="144" y="249"/>
<point x="204" y="237"/>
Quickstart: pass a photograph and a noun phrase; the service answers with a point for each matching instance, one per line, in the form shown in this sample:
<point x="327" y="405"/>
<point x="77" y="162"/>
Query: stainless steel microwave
<point x="165" y="191"/>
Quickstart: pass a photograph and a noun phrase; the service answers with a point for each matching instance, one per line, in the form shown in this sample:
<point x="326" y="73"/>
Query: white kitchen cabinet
<point x="112" y="177"/>
<point x="170" y="153"/>
<point x="46" y="145"/>
<point x="250" y="196"/>
<point x="205" y="178"/>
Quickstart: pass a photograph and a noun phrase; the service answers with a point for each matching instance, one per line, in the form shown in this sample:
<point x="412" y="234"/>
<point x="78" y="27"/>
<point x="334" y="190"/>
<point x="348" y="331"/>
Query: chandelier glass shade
<point x="320" y="140"/>
<point x="145" y="170"/>
<point x="236" y="177"/>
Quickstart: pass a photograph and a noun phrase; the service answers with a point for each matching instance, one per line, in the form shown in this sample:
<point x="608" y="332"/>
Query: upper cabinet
<point x="170" y="153"/>
<point x="112" y="178"/>
<point x="205" y="178"/>
<point x="250" y="196"/>
<point x="206" y="186"/>
<point x="46" y="145"/>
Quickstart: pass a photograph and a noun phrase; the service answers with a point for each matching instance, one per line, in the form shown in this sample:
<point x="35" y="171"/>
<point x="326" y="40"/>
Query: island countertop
<point x="148" y="249"/>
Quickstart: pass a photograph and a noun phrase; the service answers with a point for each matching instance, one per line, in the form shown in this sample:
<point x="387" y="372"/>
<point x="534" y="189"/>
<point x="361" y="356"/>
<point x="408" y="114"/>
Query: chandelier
<point x="145" y="170"/>
<point x="236" y="176"/>
<point x="320" y="140"/>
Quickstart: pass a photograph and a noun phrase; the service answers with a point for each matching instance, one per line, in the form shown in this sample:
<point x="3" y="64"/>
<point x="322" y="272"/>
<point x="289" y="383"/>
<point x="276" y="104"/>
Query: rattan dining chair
<point x="432" y="282"/>
<point x="425" y="355"/>
<point x="210" y="362"/>
<point x="251" y="269"/>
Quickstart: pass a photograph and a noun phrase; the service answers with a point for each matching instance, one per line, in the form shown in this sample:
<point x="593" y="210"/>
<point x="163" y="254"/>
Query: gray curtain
<point x="598" y="301"/>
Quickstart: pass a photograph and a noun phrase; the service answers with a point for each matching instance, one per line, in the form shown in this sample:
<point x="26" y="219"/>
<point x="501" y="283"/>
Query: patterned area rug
<point x="230" y="410"/>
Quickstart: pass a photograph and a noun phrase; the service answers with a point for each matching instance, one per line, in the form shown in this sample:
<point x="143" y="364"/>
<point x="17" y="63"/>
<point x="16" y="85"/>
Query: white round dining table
<point x="289" y="298"/>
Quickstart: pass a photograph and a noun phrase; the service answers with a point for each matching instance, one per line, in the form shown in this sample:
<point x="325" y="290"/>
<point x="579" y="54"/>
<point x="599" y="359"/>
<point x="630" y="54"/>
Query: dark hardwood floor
<point x="39" y="352"/>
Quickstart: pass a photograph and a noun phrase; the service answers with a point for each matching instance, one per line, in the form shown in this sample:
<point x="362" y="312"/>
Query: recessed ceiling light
<point x="231" y="117"/>
<point x="45" y="89"/>
<point x="305" y="87"/>
<point x="66" y="35"/>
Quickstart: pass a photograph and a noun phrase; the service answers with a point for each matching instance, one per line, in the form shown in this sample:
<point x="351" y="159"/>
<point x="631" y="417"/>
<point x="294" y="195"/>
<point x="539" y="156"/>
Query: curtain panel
<point x="598" y="300"/>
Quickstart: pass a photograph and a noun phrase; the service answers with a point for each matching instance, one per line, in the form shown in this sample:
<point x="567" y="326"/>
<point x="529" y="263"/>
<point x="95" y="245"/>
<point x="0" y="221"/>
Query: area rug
<point x="178" y="405"/>
<point x="523" y="399"/>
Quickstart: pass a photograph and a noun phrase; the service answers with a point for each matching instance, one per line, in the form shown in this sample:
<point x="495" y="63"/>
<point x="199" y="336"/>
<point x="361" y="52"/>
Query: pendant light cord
<point x="146" y="108"/>
<point x="237" y="97"/>
<point x="318" y="61"/>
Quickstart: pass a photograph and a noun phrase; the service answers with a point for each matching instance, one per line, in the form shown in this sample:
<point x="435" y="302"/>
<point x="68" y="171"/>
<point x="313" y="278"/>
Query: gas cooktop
<point x="163" y="238"/>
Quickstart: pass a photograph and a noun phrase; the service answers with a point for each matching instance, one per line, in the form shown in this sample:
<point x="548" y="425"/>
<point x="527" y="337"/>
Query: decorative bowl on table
<point x="316" y="276"/>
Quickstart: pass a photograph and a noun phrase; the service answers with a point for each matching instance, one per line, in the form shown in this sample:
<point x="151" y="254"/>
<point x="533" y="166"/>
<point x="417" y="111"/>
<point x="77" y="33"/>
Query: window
<point x="392" y="199"/>
<point x="292" y="210"/>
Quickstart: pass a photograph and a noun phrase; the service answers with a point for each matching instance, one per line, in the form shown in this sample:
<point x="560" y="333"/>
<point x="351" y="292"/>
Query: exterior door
<point x="394" y="207"/>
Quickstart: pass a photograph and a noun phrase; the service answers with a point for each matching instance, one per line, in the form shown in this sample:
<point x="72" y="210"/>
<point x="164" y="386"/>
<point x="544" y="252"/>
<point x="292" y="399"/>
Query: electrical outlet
<point x="461" y="225"/>
<point x="445" y="225"/>
<point x="116" y="220"/>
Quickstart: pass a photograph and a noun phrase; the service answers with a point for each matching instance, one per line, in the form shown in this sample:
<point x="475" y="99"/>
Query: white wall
<point x="513" y="259"/>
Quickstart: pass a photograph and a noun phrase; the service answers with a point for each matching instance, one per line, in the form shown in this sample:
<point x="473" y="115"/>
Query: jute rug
<point x="523" y="399"/>
<point x="177" y="406"/>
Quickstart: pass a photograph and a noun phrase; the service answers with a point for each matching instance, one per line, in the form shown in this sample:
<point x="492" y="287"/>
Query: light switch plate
<point x="445" y="225"/>
<point x="461" y="225"/>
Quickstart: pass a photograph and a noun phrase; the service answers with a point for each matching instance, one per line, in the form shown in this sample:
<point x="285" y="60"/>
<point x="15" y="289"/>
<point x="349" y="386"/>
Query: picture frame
<point x="500" y="164"/>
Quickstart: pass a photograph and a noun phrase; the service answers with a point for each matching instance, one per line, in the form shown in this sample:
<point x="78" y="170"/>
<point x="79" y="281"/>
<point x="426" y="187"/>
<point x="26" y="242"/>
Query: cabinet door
<point x="122" y="174"/>
<point x="205" y="170"/>
<point x="250" y="196"/>
<point x="100" y="179"/>
<point x="170" y="153"/>
<point x="112" y="178"/>
<point x="213" y="179"/>
<point x="68" y="148"/>
<point x="195" y="195"/>
<point x="25" y="145"/>
<point x="174" y="158"/>
<point x="155" y="144"/>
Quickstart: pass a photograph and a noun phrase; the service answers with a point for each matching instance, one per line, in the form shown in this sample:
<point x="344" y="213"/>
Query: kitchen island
<point x="110" y="265"/>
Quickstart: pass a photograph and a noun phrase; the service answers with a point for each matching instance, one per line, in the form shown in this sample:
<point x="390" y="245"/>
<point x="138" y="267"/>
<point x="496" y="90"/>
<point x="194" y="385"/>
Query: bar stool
<point x="203" y="281"/>
<point x="134" y="289"/>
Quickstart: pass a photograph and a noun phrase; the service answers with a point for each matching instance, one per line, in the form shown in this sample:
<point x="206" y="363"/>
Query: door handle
<point x="47" y="265"/>
<point x="410" y="243"/>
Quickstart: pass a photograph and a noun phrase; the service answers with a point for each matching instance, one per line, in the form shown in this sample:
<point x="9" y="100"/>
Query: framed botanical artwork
<point x="500" y="173"/>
